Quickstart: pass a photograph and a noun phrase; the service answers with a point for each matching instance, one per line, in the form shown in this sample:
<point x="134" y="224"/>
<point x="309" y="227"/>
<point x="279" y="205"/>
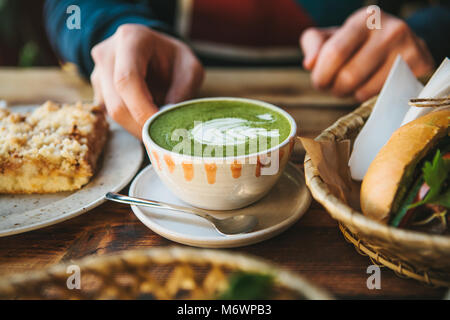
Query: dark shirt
<point x="247" y="27"/>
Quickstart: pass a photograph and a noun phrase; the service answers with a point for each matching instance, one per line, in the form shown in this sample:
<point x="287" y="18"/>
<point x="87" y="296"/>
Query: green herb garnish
<point x="248" y="286"/>
<point x="436" y="174"/>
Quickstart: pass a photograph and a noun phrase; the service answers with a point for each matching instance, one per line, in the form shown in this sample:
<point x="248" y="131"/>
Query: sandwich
<point x="407" y="185"/>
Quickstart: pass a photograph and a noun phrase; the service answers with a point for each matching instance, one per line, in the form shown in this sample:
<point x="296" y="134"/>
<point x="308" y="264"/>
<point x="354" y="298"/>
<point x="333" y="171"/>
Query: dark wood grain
<point x="313" y="247"/>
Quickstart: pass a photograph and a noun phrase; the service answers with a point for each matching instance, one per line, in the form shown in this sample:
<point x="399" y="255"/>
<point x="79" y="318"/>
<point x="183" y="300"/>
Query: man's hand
<point x="354" y="60"/>
<point x="120" y="78"/>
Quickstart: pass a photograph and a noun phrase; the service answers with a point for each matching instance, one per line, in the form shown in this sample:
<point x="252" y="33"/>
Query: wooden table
<point x="313" y="247"/>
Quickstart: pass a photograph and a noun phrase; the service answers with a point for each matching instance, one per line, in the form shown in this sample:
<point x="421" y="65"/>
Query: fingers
<point x="115" y="106"/>
<point x="372" y="86"/>
<point x="311" y="41"/>
<point x="104" y="88"/>
<point x="360" y="66"/>
<point x="419" y="58"/>
<point x="118" y="77"/>
<point x="121" y="64"/>
<point x="129" y="79"/>
<point x="356" y="60"/>
<point x="187" y="76"/>
<point x="337" y="50"/>
<point x="400" y="40"/>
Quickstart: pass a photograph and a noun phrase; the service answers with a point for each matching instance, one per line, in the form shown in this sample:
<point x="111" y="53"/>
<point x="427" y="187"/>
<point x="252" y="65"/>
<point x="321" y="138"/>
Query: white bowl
<point x="220" y="183"/>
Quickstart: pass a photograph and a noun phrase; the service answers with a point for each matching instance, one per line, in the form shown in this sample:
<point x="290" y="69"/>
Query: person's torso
<point x="249" y="31"/>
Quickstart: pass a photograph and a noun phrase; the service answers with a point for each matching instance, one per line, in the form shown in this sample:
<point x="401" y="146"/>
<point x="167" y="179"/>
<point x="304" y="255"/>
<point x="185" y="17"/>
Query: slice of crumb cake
<point x="54" y="148"/>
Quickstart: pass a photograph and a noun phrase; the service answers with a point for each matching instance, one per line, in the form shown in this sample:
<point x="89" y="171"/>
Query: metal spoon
<point x="228" y="226"/>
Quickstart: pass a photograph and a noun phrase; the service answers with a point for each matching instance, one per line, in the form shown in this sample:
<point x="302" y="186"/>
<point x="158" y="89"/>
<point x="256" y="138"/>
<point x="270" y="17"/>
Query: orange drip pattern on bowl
<point x="211" y="170"/>
<point x="188" y="170"/>
<point x="258" y="168"/>
<point x="236" y="169"/>
<point x="158" y="163"/>
<point x="169" y="162"/>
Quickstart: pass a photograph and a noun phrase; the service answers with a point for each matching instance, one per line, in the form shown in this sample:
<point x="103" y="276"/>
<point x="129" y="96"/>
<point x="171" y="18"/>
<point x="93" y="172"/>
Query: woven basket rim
<point x="173" y="254"/>
<point x="380" y="260"/>
<point x="347" y="215"/>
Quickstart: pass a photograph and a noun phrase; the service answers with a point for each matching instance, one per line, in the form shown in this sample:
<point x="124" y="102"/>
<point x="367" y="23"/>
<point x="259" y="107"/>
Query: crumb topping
<point x="51" y="132"/>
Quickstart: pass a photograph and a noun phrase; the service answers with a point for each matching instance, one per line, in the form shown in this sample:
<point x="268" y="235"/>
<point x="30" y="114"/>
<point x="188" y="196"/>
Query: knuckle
<point x="361" y="95"/>
<point x="130" y="31"/>
<point x="401" y="26"/>
<point x="123" y="78"/>
<point x="398" y="30"/>
<point x="308" y="35"/>
<point x="334" y="50"/>
<point x="333" y="47"/>
<point x="97" y="52"/>
<point x="310" y="32"/>
<point x="411" y="55"/>
<point x="124" y="30"/>
<point x="347" y="78"/>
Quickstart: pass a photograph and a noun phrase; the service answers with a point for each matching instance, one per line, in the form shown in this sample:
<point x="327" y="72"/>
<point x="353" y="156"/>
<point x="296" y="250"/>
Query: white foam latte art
<point x="229" y="131"/>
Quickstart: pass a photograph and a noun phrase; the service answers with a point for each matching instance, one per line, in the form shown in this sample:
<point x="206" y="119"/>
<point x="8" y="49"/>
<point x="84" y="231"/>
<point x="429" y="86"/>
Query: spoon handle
<point x="156" y="204"/>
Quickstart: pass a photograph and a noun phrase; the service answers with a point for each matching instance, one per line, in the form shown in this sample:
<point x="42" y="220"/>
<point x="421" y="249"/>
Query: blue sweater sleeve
<point x="99" y="20"/>
<point x="433" y="25"/>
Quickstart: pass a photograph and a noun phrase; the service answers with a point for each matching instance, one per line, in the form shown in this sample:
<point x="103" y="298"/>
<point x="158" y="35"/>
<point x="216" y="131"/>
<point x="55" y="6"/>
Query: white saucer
<point x="278" y="210"/>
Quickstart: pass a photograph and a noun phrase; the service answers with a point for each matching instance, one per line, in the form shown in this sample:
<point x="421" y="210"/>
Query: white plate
<point x="120" y="161"/>
<point x="283" y="206"/>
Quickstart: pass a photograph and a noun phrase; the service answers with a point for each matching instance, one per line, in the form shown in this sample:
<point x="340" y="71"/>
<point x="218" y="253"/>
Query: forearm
<point x="432" y="25"/>
<point x="99" y="20"/>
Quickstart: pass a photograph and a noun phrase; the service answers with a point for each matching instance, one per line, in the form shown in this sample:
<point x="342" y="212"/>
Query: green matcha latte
<point x="218" y="128"/>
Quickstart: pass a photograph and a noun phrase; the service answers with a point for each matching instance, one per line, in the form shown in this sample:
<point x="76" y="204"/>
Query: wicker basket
<point x="421" y="256"/>
<point x="159" y="273"/>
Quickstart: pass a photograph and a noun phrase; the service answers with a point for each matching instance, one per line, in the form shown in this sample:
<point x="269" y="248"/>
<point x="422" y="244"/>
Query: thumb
<point x="311" y="41"/>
